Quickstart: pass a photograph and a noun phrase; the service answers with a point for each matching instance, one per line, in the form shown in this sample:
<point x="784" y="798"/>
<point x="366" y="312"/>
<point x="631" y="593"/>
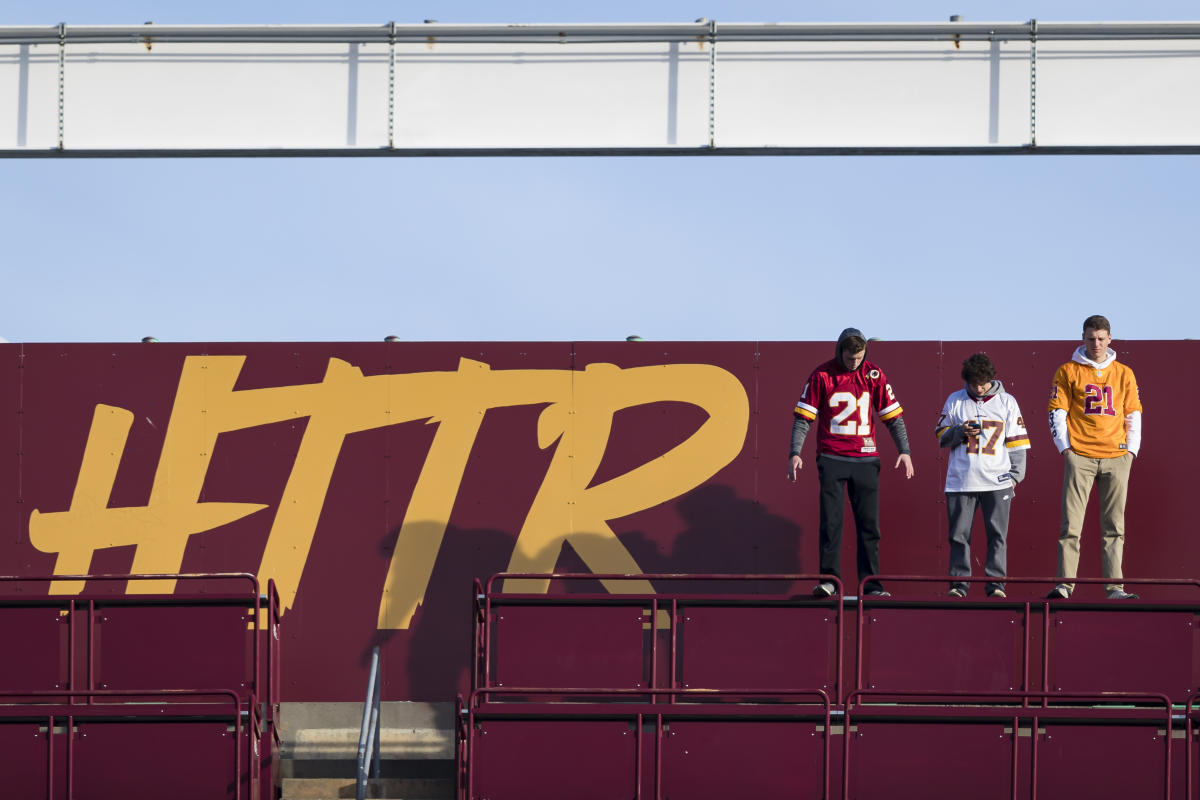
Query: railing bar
<point x="367" y="730"/>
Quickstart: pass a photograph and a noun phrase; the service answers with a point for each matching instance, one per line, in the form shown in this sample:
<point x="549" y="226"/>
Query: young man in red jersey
<point x="839" y="397"/>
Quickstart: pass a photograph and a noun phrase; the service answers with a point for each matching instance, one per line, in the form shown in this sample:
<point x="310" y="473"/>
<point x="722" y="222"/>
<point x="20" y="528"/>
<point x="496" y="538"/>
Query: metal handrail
<point x="368" y="735"/>
<point x="475" y="705"/>
<point x="1033" y="713"/>
<point x="485" y="595"/>
<point x="138" y="709"/>
<point x="256" y="599"/>
<point x="1044" y="604"/>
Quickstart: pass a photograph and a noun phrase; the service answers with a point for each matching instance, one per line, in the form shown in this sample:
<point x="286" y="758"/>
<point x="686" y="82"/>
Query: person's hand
<point x="1067" y="450"/>
<point x="971" y="427"/>
<point x="794" y="467"/>
<point x="906" y="460"/>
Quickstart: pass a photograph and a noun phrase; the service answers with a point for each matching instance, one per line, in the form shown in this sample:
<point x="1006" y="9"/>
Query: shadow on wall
<point x="723" y="533"/>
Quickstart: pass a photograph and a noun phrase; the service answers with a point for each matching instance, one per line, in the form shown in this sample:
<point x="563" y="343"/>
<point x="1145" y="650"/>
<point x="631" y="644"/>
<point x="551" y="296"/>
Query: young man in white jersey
<point x="981" y="425"/>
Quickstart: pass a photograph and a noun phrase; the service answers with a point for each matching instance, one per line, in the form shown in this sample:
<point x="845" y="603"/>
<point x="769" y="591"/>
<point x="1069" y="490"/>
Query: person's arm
<point x="800" y="428"/>
<point x="899" y="434"/>
<point x="806" y="413"/>
<point x="1059" y="402"/>
<point x="1016" y="465"/>
<point x="1016" y="440"/>
<point x="951" y="436"/>
<point x="1133" y="431"/>
<point x="1132" y="401"/>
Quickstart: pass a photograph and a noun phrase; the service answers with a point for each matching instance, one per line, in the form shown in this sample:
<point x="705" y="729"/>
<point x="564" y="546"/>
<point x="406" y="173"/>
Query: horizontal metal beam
<point x="627" y="152"/>
<point x="946" y="88"/>
<point x="611" y="33"/>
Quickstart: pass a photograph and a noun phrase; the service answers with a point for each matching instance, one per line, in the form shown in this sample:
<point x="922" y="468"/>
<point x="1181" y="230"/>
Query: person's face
<point x="851" y="361"/>
<point x="979" y="389"/>
<point x="1095" y="343"/>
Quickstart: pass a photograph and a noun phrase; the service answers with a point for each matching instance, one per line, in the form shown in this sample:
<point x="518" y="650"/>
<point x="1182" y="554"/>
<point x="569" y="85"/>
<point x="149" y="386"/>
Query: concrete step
<point x="377" y="789"/>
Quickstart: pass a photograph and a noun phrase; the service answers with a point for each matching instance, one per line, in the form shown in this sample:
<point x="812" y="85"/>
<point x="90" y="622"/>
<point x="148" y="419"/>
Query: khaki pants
<point x="1111" y="476"/>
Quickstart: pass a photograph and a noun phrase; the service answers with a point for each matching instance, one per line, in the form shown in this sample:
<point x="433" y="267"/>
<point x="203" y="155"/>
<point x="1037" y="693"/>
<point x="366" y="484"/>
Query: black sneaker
<point x="1060" y="592"/>
<point x="879" y="593"/>
<point x="825" y="589"/>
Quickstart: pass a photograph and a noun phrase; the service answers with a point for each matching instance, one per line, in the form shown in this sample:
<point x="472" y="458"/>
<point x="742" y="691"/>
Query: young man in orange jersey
<point x="838" y="398"/>
<point x="1096" y="423"/>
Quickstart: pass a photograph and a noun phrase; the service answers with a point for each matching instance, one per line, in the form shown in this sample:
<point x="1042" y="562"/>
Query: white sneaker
<point x="1060" y="592"/>
<point x="1121" y="594"/>
<point x="825" y="589"/>
<point x="956" y="592"/>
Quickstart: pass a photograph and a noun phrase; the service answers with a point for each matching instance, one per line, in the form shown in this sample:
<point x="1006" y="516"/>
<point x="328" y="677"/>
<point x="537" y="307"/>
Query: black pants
<point x="860" y="478"/>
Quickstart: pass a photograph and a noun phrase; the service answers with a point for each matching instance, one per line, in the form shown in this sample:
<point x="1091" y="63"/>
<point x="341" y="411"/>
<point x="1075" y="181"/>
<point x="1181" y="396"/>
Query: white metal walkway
<point x="623" y="89"/>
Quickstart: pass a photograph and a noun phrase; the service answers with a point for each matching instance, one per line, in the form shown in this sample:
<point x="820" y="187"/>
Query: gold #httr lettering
<point x="578" y="416"/>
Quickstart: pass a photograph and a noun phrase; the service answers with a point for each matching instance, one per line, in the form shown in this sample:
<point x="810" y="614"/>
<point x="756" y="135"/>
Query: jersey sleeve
<point x="944" y="423"/>
<point x="1131" y="396"/>
<point x="1016" y="437"/>
<point x="884" y="399"/>
<point x="1060" y="391"/>
<point x="810" y="401"/>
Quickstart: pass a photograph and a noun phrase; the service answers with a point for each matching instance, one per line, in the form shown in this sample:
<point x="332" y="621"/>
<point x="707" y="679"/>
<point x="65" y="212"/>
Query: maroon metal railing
<point x="1045" y="604"/>
<point x="638" y="713"/>
<point x="1023" y="711"/>
<point x="131" y="713"/>
<point x="245" y="696"/>
<point x="487" y="593"/>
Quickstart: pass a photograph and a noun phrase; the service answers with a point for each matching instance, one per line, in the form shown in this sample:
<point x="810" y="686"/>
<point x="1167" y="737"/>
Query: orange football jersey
<point x="1096" y="401"/>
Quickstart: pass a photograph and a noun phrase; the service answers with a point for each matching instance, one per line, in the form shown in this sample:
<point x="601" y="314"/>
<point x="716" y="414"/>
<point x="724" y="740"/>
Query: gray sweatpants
<point x="960" y="508"/>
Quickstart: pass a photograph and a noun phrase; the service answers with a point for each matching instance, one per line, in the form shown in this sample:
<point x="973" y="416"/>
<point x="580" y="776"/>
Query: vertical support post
<point x="1033" y="83"/>
<point x="391" y="100"/>
<point x="62" y="68"/>
<point x="712" y="83"/>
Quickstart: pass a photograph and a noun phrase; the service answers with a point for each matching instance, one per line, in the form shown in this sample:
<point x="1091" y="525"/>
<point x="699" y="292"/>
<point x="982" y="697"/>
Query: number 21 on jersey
<point x="1098" y="400"/>
<point x="852" y="415"/>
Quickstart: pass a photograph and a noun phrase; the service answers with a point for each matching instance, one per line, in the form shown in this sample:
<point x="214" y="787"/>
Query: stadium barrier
<point x="701" y="693"/>
<point x="140" y="694"/>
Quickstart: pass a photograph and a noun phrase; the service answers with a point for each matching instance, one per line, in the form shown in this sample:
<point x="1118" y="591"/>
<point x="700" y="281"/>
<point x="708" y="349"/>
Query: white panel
<point x="1114" y="93"/>
<point x="517" y="87"/>
<point x="863" y="94"/>
<point x="551" y="95"/>
<point x="210" y="95"/>
<point x="28" y="96"/>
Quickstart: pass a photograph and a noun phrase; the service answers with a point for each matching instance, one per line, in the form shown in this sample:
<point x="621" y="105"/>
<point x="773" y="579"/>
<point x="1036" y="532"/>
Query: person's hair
<point x="854" y="344"/>
<point x="978" y="369"/>
<point x="1097" y="322"/>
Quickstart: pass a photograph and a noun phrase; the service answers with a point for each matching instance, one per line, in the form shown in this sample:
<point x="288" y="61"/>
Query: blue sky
<point x="595" y="248"/>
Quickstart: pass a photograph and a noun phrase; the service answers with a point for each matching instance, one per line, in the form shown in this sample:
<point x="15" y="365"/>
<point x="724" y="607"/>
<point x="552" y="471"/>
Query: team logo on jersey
<point x="873" y="374"/>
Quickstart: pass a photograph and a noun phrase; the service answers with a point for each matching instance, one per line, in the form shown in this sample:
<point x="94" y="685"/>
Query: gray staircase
<point x="319" y="745"/>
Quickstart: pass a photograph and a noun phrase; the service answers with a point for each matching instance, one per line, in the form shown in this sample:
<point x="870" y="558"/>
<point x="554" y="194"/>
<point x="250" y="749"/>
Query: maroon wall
<point x="746" y="517"/>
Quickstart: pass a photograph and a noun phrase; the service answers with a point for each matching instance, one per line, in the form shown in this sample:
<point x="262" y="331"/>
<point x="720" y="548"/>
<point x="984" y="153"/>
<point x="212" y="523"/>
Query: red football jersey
<point x="840" y="403"/>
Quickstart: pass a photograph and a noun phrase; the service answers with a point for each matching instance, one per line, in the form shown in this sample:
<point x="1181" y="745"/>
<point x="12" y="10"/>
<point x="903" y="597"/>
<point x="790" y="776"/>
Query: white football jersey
<point x="981" y="463"/>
